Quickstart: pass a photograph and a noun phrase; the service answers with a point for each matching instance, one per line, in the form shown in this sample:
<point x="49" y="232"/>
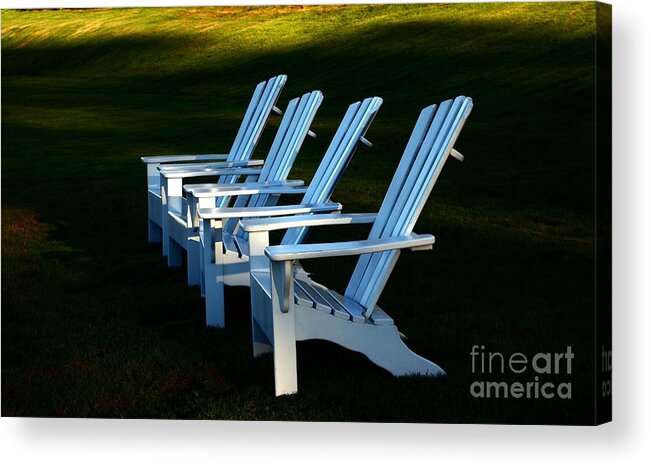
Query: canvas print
<point x="377" y="213"/>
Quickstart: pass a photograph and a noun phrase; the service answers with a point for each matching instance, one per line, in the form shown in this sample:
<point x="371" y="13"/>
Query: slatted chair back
<point x="350" y="133"/>
<point x="428" y="148"/>
<point x="287" y="143"/>
<point x="262" y="103"/>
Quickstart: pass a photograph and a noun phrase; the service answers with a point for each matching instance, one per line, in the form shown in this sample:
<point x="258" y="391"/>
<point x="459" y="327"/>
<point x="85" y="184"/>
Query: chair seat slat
<point x="355" y="310"/>
<point x="319" y="302"/>
<point x="337" y="309"/>
<point x="380" y="318"/>
<point x="301" y="298"/>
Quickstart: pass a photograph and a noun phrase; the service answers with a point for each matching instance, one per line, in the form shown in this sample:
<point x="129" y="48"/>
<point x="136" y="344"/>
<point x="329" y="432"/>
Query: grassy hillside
<point x="95" y="324"/>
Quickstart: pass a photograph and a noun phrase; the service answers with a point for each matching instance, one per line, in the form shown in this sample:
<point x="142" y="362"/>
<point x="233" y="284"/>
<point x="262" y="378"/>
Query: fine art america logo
<point x="544" y="374"/>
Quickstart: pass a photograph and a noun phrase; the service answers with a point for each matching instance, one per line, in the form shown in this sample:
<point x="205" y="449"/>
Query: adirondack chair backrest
<point x="262" y="103"/>
<point x="288" y="141"/>
<point x="289" y="138"/>
<point x="428" y="148"/>
<point x="264" y="98"/>
<point x="350" y="133"/>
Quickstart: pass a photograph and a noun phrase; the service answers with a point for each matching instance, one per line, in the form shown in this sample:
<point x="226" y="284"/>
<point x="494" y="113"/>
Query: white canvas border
<point x="625" y="440"/>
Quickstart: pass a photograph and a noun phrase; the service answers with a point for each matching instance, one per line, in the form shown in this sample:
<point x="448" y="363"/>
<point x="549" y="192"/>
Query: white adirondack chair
<point x="261" y="105"/>
<point x="225" y="247"/>
<point x="181" y="226"/>
<point x="287" y="306"/>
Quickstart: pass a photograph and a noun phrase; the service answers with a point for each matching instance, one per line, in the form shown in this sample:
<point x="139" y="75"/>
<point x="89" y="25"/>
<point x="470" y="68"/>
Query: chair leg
<point x="154" y="204"/>
<point x="284" y="334"/>
<point x="261" y="344"/>
<point x="169" y="188"/>
<point x="202" y="267"/>
<point x="261" y="324"/>
<point x="285" y="370"/>
<point x="194" y="262"/>
<point x="260" y="348"/>
<point x="174" y="253"/>
<point x="214" y="289"/>
<point x="259" y="304"/>
<point x="165" y="234"/>
<point x="154" y="233"/>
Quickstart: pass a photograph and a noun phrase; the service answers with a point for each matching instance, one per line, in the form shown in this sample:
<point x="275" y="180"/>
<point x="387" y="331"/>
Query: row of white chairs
<point x="223" y="227"/>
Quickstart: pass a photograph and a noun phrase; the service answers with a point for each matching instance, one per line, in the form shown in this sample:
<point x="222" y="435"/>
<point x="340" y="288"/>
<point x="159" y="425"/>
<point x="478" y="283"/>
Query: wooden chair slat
<point x="422" y="162"/>
<point x="287" y="143"/>
<point x="350" y="133"/>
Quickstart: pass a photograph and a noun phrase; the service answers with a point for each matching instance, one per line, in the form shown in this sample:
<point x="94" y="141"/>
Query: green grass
<point x="95" y="325"/>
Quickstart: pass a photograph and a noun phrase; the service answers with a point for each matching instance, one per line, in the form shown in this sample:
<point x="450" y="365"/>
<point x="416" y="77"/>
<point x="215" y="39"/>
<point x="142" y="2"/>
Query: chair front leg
<point x="154" y="232"/>
<point x="203" y="237"/>
<point x="194" y="261"/>
<point x="213" y="258"/>
<point x="260" y="304"/>
<point x="194" y="251"/>
<point x="284" y="328"/>
<point x="169" y="188"/>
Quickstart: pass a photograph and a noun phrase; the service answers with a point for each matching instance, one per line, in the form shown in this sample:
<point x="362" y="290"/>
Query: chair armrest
<point x="224" y="191"/>
<point x="281" y="253"/>
<point x="200" y="166"/>
<point x="280" y="210"/>
<point x="175" y="158"/>
<point x="272" y="224"/>
<point x="210" y="172"/>
<point x="282" y="256"/>
<point x="191" y="188"/>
